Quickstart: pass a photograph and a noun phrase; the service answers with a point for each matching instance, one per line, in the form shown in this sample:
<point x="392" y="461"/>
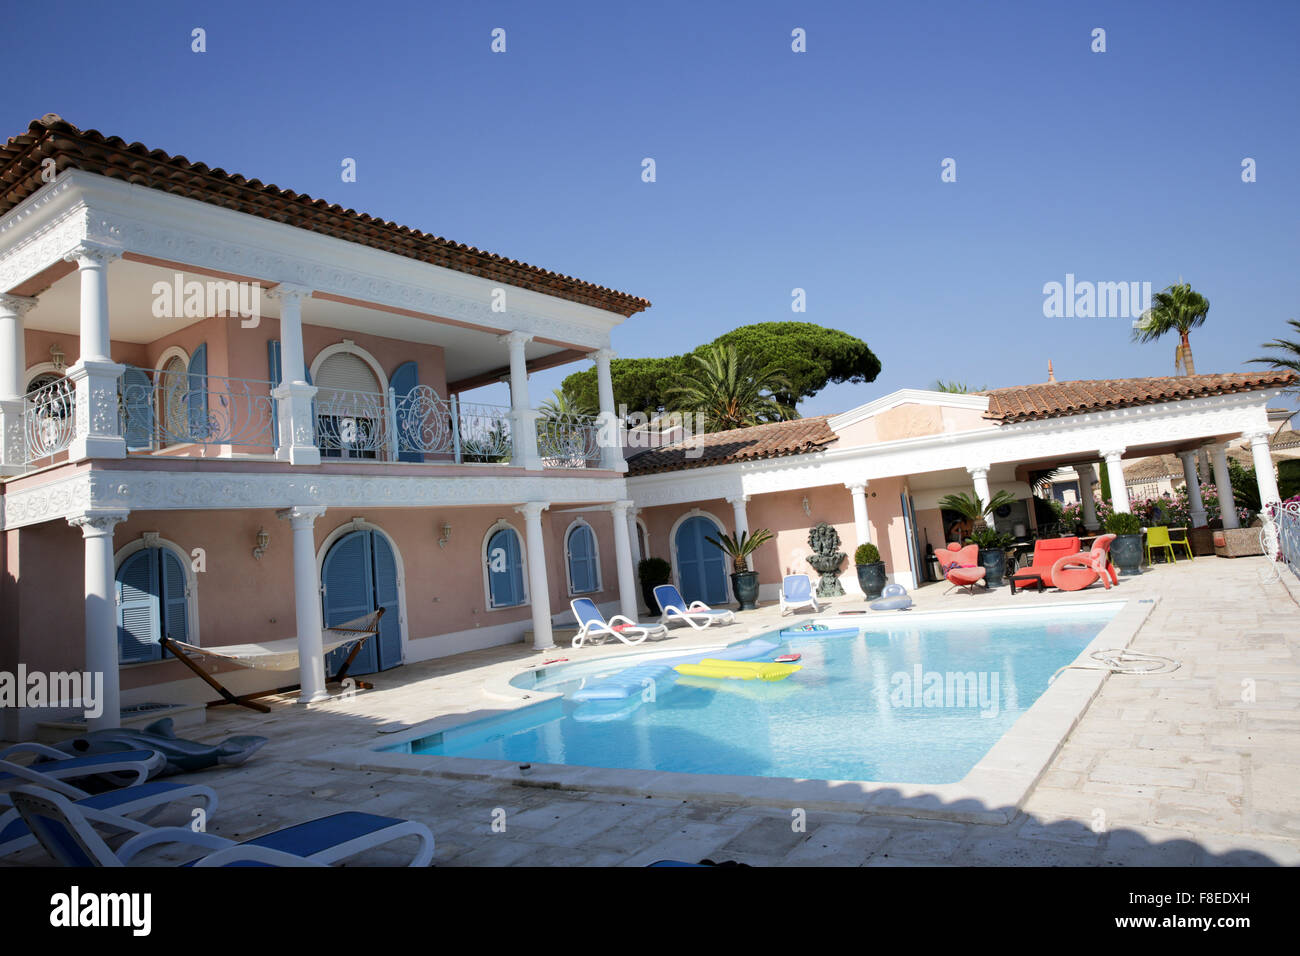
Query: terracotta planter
<point x="871" y="578"/>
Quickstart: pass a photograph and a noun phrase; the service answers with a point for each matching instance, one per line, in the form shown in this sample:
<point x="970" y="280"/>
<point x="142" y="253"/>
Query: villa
<point x="237" y="410"/>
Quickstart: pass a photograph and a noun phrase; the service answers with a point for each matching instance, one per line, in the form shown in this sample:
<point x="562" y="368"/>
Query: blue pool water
<point x="914" y="699"/>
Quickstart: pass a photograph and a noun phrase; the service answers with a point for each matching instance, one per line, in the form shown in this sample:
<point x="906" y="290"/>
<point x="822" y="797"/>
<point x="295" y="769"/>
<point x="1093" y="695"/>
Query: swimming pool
<point x="918" y="698"/>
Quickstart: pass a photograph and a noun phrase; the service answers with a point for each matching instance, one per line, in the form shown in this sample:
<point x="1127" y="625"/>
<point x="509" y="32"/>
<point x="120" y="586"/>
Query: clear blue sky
<point x="775" y="170"/>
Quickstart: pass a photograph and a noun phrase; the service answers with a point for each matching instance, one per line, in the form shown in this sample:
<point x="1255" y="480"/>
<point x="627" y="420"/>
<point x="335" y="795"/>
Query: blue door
<point x="360" y="576"/>
<point x="701" y="567"/>
<point x="151" y="603"/>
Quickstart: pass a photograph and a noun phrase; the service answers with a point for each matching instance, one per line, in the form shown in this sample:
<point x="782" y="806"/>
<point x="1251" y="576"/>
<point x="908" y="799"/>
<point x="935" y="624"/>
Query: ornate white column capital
<point x="515" y="339"/>
<point x="857" y="487"/>
<point x="624" y="507"/>
<point x="94" y="524"/>
<point x="1258" y="435"/>
<point x="289" y="291"/>
<point x="978" y="471"/>
<point x="606" y="354"/>
<point x="1113" y="453"/>
<point x="300" y="515"/>
<point x="16" y="306"/>
<point x="532" y="509"/>
<point x="1188" y="457"/>
<point x="735" y="500"/>
<point x="88" y="255"/>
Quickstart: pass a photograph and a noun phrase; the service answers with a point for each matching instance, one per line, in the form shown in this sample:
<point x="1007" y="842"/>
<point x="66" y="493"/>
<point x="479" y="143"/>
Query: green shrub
<point x="1122" y="523"/>
<point x="990" y="539"/>
<point x="866" y="554"/>
<point x="653" y="571"/>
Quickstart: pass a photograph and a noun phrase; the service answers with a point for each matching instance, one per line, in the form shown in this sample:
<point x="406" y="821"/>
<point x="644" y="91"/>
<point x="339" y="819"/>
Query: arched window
<point x="504" y="568"/>
<point x="583" y="558"/>
<point x="349" y="407"/>
<point x="152" y="600"/>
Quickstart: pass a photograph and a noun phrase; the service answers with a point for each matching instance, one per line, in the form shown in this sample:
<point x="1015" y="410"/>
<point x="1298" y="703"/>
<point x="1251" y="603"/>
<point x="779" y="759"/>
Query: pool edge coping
<point x="993" y="791"/>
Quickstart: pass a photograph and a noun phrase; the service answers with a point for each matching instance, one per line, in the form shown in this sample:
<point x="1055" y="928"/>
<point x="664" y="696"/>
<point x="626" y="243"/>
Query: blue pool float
<point x="893" y="598"/>
<point x="792" y="633"/>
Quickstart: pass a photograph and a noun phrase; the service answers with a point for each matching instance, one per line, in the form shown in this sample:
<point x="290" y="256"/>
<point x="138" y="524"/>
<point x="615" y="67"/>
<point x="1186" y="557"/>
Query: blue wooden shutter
<point x="405" y="378"/>
<point x="387" y="597"/>
<point x="175" y="606"/>
<point x="582" y="559"/>
<point x="349" y="594"/>
<point x="196" y="399"/>
<point x="138" y="608"/>
<point x="507" y="584"/>
<point x="273" y="363"/>
<point x="138" y="404"/>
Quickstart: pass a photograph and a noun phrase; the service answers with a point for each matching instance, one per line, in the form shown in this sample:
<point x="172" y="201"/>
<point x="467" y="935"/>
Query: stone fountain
<point x="826" y="558"/>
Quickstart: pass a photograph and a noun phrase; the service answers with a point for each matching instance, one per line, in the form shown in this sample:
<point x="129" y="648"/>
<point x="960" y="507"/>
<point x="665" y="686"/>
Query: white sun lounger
<point x="69" y="836"/>
<point x="697" y="614"/>
<point x="797" y="592"/>
<point x="592" y="624"/>
<point x="139" y="764"/>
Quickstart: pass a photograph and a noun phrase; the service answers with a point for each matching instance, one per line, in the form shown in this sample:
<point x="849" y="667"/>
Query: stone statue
<point x="826" y="558"/>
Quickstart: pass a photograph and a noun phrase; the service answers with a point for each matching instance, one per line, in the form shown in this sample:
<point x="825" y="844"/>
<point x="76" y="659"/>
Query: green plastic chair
<point x="1158" y="538"/>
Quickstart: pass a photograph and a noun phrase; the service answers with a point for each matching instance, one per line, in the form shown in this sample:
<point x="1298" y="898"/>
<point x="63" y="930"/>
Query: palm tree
<point x="562" y="405"/>
<point x="730" y="390"/>
<point x="1288" y="354"/>
<point x="959" y="388"/>
<point x="969" y="506"/>
<point x="1177" y="308"/>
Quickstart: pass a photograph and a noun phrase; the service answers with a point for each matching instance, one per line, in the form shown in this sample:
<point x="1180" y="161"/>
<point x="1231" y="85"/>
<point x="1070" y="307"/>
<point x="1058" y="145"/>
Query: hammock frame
<point x="364" y="627"/>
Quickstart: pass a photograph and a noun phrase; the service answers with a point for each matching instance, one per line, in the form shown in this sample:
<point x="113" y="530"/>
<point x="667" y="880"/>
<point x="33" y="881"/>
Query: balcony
<point x="178" y="414"/>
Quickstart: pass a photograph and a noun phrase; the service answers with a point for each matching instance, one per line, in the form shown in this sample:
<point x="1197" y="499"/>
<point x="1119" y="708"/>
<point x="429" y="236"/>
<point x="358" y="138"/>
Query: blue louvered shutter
<point x="138" y="608"/>
<point x="273" y="365"/>
<point x="582" y="559"/>
<point x="175" y="606"/>
<point x="405" y="378"/>
<point x="505" y="569"/>
<point x="387" y="597"/>
<point x="137" y="404"/>
<point x="349" y="594"/>
<point x="196" y="397"/>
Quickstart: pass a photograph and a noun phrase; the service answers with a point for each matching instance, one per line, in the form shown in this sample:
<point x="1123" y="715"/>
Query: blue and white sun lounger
<point x="121" y="766"/>
<point x="70" y="838"/>
<point x="797" y="592"/>
<point x="698" y="614"/>
<point x="592" y="624"/>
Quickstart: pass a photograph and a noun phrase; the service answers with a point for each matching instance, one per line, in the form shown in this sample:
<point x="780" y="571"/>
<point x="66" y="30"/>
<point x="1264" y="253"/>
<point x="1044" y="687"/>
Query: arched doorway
<point x="701" y="567"/>
<point x="358" y="576"/>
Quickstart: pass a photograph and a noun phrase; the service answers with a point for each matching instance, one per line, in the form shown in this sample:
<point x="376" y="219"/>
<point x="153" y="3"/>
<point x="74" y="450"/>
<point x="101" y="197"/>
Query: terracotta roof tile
<point x="775" y="440"/>
<point x="51" y="137"/>
<point x="1023" y="403"/>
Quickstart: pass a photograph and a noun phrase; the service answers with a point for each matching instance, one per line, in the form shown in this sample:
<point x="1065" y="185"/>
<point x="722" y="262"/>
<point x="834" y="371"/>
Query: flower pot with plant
<point x="652" y="573"/>
<point x="1126" y="549"/>
<point x="744" y="582"/>
<point x="972" y="510"/>
<point x="871" y="570"/>
<point x="993" y="553"/>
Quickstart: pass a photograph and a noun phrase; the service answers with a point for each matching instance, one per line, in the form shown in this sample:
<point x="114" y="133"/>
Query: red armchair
<point x="960" y="565"/>
<point x="1047" y="551"/>
<point x="1077" y="571"/>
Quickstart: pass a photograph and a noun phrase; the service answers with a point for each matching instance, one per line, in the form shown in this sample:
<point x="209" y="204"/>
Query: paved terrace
<point x="1179" y="768"/>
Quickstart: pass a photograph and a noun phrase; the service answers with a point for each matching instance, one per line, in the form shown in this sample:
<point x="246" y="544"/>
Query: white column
<point x="297" y="426"/>
<point x="1087" y="503"/>
<point x="740" y="519"/>
<point x="611" y="439"/>
<point x="980" y="476"/>
<point x="13" y="385"/>
<point x="523" y="438"/>
<point x="861" y="526"/>
<point x="307" y="602"/>
<point x="95" y="375"/>
<point x="1223" y="482"/>
<point x="539" y="590"/>
<point x="623" y="559"/>
<point x="1196" y="503"/>
<point x="101" y="612"/>
<point x="1264" y="472"/>
<point x="1115" y="474"/>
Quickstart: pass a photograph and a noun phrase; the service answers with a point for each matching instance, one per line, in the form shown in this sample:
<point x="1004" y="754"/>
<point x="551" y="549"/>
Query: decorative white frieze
<point x="164" y="491"/>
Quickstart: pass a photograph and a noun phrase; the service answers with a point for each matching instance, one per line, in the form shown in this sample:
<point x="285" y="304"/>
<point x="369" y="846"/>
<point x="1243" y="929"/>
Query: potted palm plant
<point x="1126" y="549"/>
<point x="871" y="570"/>
<point x="992" y="544"/>
<point x="744" y="582"/>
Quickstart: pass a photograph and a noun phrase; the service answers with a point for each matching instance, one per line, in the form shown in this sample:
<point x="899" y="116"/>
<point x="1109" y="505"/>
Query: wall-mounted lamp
<point x="58" y="359"/>
<point x="807" y="509"/>
<point x="446" y="535"/>
<point x="263" y="541"/>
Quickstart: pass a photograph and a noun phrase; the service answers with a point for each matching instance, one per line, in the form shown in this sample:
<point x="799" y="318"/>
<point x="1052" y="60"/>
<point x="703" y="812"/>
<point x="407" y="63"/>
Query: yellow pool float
<point x="738" y="670"/>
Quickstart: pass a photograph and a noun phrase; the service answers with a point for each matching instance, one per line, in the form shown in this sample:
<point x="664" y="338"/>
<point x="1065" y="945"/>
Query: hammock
<point x="275" y="656"/>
